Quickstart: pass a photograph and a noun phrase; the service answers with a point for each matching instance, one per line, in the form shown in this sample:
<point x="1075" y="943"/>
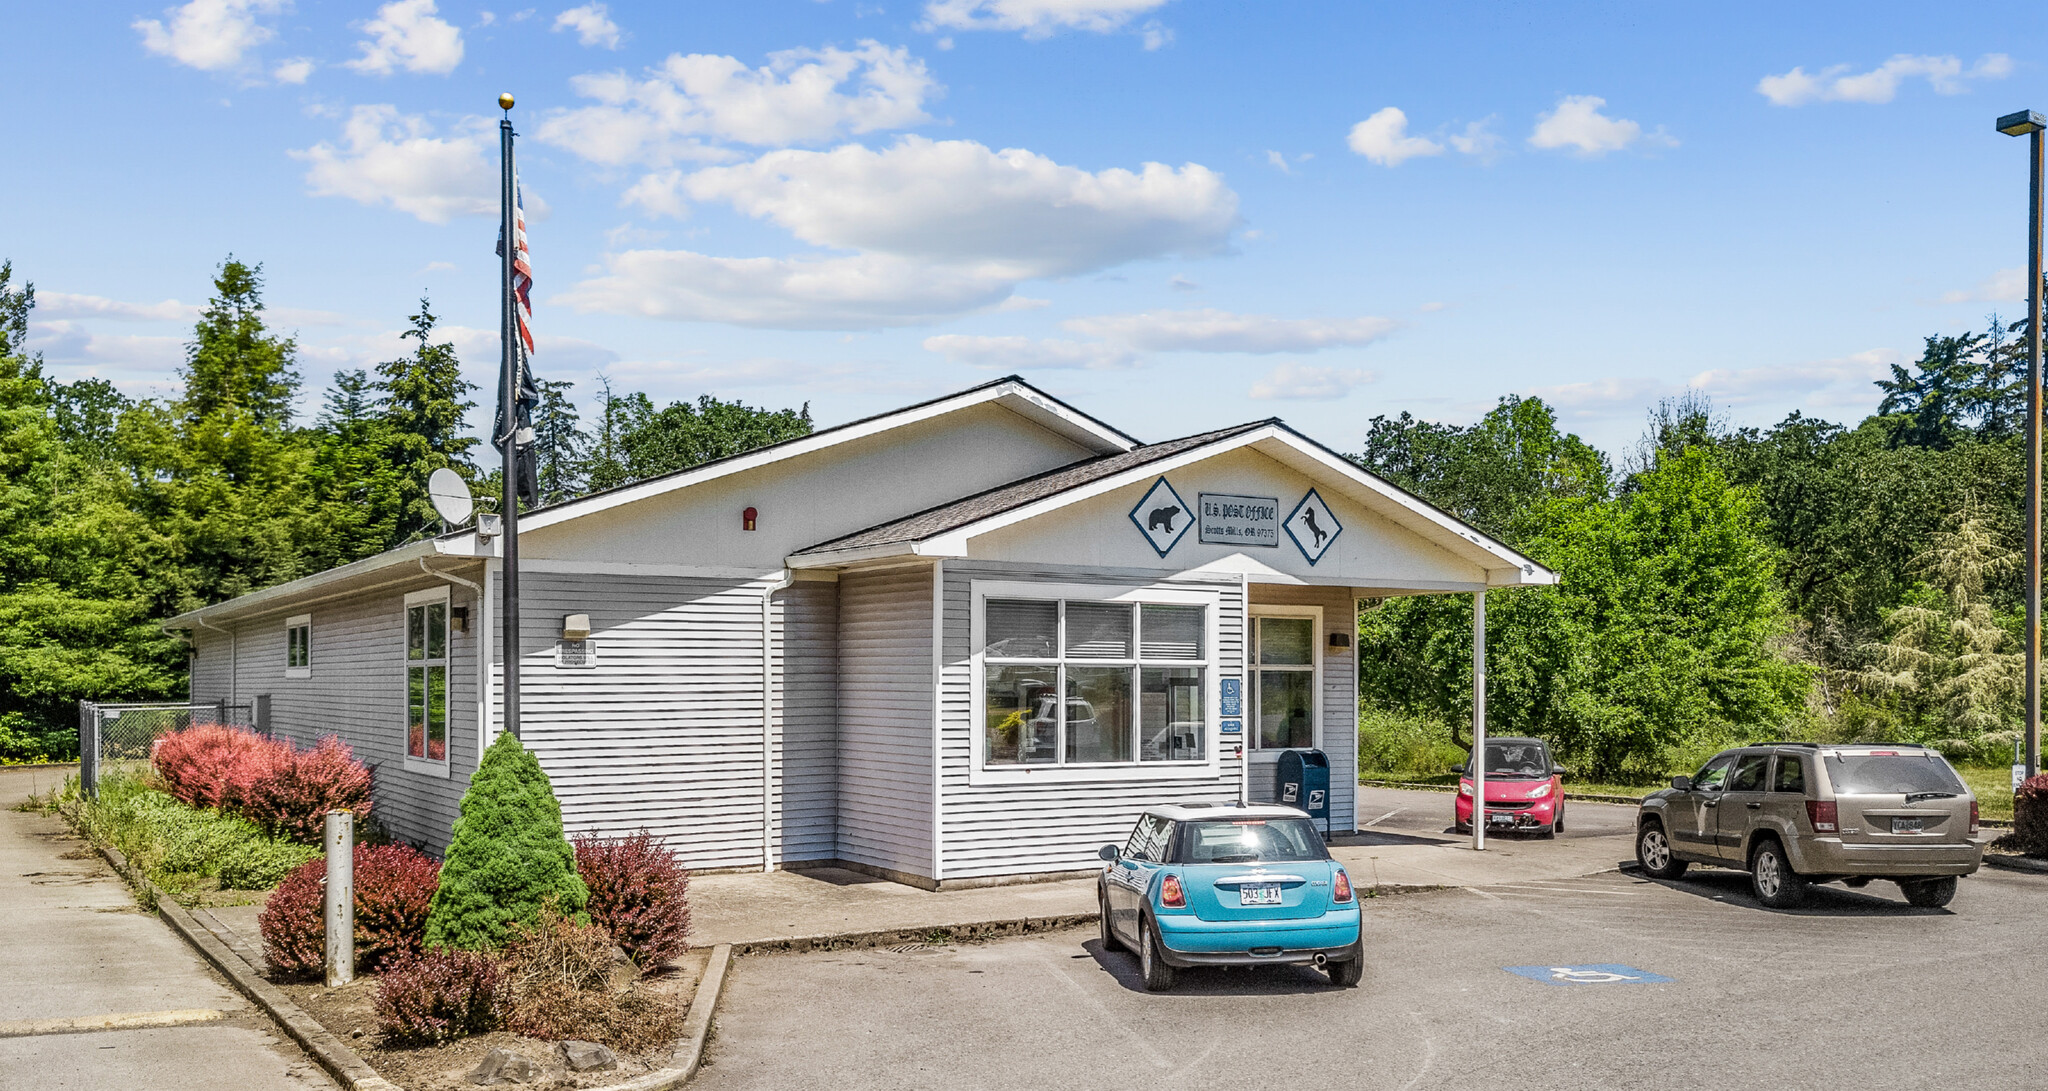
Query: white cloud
<point x="1043" y="18"/>
<point x="1478" y="140"/>
<point x="593" y="26"/>
<point x="1577" y="123"/>
<point x="936" y="229"/>
<point x="140" y="366"/>
<point x="409" y="34"/>
<point x="1840" y="383"/>
<point x="1211" y="330"/>
<point x="1944" y="74"/>
<point x="53" y="305"/>
<point x="1278" y="161"/>
<point x="1027" y="353"/>
<point x="394" y="159"/>
<point x="2003" y="286"/>
<point x="292" y="70"/>
<point x="1383" y="138"/>
<point x="684" y="108"/>
<point x="1155" y="35"/>
<point x="209" y="35"/>
<point x="663" y="379"/>
<point x="1011" y="213"/>
<point x="810" y="293"/>
<point x="1298" y="382"/>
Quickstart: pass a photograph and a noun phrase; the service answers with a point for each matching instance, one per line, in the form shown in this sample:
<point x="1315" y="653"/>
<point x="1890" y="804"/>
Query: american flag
<point x="527" y="396"/>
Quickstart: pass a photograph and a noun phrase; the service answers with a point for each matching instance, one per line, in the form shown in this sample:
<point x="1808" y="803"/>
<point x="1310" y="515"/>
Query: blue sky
<point x="1176" y="215"/>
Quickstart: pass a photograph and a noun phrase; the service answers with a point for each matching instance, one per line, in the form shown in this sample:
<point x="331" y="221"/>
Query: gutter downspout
<point x="483" y="689"/>
<point x="234" y="659"/>
<point x="779" y="583"/>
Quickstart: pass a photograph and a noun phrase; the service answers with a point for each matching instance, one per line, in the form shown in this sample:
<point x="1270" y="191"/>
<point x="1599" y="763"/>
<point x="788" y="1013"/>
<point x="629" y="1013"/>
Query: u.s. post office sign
<point x="1239" y="520"/>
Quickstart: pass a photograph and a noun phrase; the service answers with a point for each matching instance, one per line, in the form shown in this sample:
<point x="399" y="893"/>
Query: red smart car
<point x="1524" y="788"/>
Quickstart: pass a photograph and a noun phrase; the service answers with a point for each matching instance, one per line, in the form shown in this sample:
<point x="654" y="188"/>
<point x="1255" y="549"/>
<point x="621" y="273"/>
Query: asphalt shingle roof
<point x="972" y="509"/>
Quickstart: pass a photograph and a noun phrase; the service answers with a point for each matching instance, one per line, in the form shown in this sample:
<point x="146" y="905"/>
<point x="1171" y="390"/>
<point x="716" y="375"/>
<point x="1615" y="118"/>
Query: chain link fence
<point x="118" y="736"/>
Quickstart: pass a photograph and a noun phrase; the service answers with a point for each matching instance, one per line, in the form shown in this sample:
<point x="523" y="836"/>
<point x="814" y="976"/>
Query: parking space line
<point x="131" y="1020"/>
<point x="1381" y="818"/>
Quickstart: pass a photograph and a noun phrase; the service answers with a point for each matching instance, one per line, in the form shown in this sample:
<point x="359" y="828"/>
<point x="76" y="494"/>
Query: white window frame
<point x="429" y="766"/>
<point x="1252" y="668"/>
<point x="298" y="621"/>
<point x="1208" y="767"/>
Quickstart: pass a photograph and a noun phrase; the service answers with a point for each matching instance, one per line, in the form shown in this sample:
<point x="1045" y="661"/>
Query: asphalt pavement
<point x="77" y="952"/>
<point x="1858" y="989"/>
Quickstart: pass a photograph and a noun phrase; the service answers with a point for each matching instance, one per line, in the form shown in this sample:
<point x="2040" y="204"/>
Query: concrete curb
<point x="1633" y="801"/>
<point x="344" y="1064"/>
<point x="2015" y="862"/>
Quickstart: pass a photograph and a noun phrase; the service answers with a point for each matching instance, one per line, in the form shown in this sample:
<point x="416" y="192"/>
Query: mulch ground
<point x="347" y="1012"/>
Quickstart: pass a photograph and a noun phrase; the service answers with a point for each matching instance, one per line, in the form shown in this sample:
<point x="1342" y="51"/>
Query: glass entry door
<point x="1284" y="682"/>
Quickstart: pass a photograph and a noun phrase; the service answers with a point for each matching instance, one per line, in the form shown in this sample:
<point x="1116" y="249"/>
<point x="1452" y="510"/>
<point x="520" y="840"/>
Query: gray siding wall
<point x="665" y="733"/>
<point x="357" y="692"/>
<point x="213" y="676"/>
<point x="885" y="719"/>
<point x="992" y="830"/>
<point x="810" y="721"/>
<point x="1339" y="679"/>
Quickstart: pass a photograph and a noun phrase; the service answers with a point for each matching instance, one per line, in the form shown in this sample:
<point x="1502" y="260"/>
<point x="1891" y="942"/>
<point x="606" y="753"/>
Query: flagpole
<point x="508" y="413"/>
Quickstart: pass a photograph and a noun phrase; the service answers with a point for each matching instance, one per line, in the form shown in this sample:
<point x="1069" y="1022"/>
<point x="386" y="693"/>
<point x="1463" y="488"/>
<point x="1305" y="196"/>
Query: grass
<point x="188" y="851"/>
<point x="1992" y="785"/>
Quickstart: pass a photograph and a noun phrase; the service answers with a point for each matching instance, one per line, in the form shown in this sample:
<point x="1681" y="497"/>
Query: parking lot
<point x="1856" y="989"/>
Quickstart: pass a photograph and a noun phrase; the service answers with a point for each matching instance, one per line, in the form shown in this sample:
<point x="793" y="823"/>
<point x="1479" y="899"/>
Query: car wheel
<point x="1151" y="963"/>
<point x="1653" y="852"/>
<point x="1348" y="973"/>
<point x="1930" y="893"/>
<point x="1772" y="877"/>
<point x="1109" y="941"/>
<point x="1548" y="832"/>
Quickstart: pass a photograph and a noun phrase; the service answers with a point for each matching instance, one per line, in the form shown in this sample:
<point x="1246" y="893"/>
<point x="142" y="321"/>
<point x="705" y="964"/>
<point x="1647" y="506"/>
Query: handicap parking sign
<point x="1598" y="973"/>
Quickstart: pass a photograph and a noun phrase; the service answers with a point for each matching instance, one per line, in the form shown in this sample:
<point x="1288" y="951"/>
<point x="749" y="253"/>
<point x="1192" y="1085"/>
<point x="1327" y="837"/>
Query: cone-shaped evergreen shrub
<point x="508" y="857"/>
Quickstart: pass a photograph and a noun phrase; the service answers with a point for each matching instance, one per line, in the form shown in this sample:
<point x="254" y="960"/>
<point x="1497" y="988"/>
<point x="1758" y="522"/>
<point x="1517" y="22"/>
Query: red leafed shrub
<point x="208" y="765"/>
<point x="294" y="789"/>
<point x="638" y="892"/>
<point x="394" y="886"/>
<point x="2030" y="816"/>
<point x="286" y="791"/>
<point x="441" y="995"/>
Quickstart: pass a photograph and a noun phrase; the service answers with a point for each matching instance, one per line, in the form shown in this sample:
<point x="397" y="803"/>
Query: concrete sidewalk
<point x="817" y="907"/>
<point x="78" y="950"/>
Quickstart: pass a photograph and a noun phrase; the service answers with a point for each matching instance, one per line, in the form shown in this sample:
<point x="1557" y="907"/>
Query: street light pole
<point x="2030" y="124"/>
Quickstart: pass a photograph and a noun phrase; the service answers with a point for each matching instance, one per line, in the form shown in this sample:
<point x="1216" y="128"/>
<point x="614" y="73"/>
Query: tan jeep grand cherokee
<point x="1793" y="814"/>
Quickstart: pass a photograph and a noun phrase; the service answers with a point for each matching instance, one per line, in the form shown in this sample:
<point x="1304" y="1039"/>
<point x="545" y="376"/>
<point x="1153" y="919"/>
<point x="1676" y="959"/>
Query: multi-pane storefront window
<point x="1092" y="683"/>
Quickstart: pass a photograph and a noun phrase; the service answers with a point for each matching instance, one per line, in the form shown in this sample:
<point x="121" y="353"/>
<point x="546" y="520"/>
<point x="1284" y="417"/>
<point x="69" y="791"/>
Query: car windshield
<point x="1248" y="841"/>
<point x="1517" y="759"/>
<point x="1891" y="774"/>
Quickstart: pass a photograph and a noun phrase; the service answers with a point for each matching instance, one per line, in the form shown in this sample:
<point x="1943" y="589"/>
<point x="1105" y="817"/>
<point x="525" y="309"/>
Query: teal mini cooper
<point x="1229" y="886"/>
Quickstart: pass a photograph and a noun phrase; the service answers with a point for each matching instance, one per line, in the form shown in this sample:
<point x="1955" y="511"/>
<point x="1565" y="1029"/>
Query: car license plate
<point x="1259" y="894"/>
<point x="1908" y="825"/>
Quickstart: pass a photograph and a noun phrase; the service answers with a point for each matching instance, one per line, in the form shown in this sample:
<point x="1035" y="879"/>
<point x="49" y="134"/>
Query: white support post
<point x="1479" y="721"/>
<point x="341" y="898"/>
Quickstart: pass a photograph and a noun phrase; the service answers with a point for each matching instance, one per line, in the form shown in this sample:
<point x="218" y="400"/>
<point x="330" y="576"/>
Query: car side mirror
<point x="1110" y="853"/>
<point x="1458" y="768"/>
<point x="1683" y="784"/>
<point x="1557" y="770"/>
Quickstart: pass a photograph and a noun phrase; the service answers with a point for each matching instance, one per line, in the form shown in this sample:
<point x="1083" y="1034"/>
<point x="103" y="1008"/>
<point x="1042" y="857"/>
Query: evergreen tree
<point x="559" y="444"/>
<point x="423" y="406"/>
<point x="508" y="859"/>
<point x="619" y="416"/>
<point x="1953" y="668"/>
<point x="351" y="402"/>
<point x="234" y="365"/>
<point x="354" y="484"/>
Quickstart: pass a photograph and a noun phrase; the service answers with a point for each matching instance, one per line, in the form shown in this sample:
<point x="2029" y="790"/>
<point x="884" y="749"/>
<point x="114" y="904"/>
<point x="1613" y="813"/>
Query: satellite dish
<point x="450" y="495"/>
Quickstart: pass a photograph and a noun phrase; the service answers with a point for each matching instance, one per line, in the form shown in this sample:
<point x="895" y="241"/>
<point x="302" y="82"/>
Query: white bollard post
<point x="341" y="898"/>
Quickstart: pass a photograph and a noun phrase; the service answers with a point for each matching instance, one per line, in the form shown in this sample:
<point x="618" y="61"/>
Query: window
<point x="1749" y="773"/>
<point x="426" y="676"/>
<point x="1713" y="775"/>
<point x="1284" y="682"/>
<point x="1791" y="775"/>
<point x="1093" y="683"/>
<point x="298" y="646"/>
<point x="1250" y="841"/>
<point x="1148" y="840"/>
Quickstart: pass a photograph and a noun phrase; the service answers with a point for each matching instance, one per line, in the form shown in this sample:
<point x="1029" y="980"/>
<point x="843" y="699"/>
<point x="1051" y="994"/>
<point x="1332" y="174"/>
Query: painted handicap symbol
<point x="1601" y="973"/>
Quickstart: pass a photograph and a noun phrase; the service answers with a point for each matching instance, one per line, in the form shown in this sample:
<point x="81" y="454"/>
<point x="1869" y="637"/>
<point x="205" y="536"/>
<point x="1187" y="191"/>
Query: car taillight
<point x="1821" y="812"/>
<point x="1170" y="893"/>
<point x="1973" y="817"/>
<point x="1343" y="887"/>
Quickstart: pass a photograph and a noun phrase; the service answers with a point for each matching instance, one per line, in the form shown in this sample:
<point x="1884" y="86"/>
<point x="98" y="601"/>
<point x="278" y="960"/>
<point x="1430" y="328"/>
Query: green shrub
<point x="508" y="859"/>
<point x="1394" y="742"/>
<point x="179" y="846"/>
